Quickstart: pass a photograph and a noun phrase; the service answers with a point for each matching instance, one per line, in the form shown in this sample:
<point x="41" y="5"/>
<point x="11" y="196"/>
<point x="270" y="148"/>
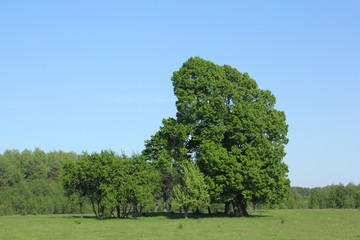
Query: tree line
<point x="31" y="183"/>
<point x="105" y="183"/>
<point x="35" y="182"/>
<point x="332" y="196"/>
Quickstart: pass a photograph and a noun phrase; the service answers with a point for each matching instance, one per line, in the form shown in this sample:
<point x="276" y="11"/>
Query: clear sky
<point x="92" y="75"/>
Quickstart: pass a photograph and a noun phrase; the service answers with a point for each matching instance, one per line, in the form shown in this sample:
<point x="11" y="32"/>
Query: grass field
<point x="270" y="224"/>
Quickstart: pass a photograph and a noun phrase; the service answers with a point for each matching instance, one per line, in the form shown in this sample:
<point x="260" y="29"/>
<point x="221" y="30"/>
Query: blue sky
<point x="91" y="75"/>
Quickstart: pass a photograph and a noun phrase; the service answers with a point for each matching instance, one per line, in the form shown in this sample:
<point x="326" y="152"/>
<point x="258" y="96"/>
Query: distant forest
<point x="31" y="183"/>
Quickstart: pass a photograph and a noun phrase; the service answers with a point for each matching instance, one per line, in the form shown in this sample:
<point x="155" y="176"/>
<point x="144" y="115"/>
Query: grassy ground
<point x="271" y="224"/>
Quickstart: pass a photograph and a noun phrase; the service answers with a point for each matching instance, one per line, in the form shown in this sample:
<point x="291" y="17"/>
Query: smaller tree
<point x="193" y="191"/>
<point x="74" y="185"/>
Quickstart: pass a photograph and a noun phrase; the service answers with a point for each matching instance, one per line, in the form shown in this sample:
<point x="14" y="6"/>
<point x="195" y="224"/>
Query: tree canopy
<point x="230" y="129"/>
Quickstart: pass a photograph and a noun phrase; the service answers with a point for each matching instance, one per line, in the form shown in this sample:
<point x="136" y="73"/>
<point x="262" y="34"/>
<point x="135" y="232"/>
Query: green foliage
<point x="130" y="184"/>
<point x="58" y="182"/>
<point x="192" y="192"/>
<point x="161" y="151"/>
<point x="30" y="183"/>
<point x="111" y="182"/>
<point x="335" y="196"/>
<point x="230" y="128"/>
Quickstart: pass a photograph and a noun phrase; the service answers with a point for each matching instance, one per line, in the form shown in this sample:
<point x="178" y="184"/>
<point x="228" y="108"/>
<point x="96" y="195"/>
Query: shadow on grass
<point x="170" y="215"/>
<point x="77" y="217"/>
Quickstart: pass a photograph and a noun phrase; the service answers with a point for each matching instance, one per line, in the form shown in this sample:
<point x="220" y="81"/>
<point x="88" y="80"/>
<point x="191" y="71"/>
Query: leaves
<point x="192" y="192"/>
<point x="230" y="128"/>
<point x="110" y="181"/>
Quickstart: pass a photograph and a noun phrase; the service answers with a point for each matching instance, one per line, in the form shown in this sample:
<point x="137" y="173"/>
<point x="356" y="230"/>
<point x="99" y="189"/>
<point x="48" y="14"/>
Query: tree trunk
<point x="186" y="211"/>
<point x="239" y="205"/>
<point x="135" y="208"/>
<point x="92" y="203"/>
<point x="209" y="210"/>
<point x="180" y="210"/>
<point x="99" y="210"/>
<point x="227" y="207"/>
<point x="102" y="210"/>
<point x="118" y="211"/>
<point x="156" y="206"/>
<point x="254" y="207"/>
<point x="81" y="209"/>
<point x="165" y="209"/>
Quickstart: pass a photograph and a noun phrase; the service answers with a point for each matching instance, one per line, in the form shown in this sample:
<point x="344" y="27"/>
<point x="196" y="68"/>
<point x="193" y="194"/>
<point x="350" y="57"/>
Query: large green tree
<point x="230" y="128"/>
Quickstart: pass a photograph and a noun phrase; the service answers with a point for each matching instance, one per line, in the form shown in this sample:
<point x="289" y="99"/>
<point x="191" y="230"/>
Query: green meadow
<point x="269" y="224"/>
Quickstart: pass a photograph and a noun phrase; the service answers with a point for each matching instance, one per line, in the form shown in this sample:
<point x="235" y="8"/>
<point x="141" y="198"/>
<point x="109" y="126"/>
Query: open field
<point x="270" y="224"/>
